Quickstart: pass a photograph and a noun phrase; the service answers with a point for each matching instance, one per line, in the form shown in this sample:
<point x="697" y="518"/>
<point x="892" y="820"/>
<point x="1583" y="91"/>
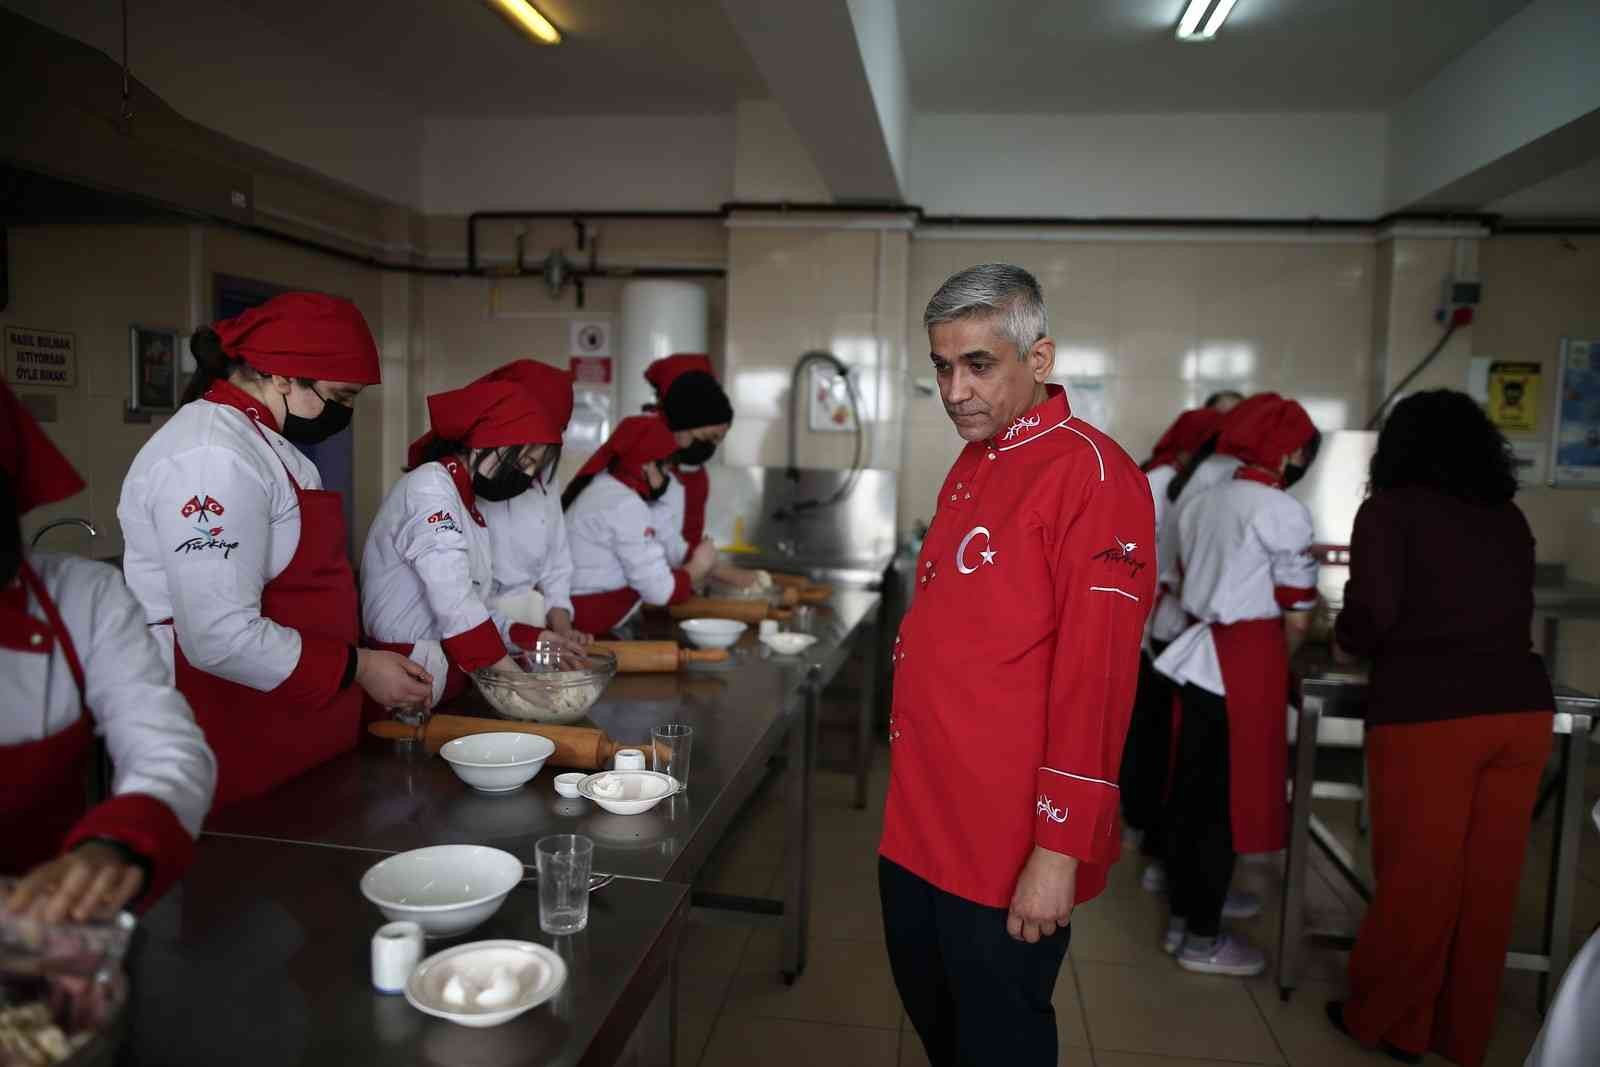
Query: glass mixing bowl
<point x="552" y="684"/>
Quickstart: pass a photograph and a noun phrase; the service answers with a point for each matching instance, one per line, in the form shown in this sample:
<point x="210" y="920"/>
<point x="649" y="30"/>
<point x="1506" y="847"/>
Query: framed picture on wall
<point x="153" y="369"/>
<point x="1575" y="443"/>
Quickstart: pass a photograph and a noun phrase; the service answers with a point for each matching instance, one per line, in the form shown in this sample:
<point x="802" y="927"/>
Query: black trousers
<point x="975" y="996"/>
<point x="1146" y="753"/>
<point x="1200" y="853"/>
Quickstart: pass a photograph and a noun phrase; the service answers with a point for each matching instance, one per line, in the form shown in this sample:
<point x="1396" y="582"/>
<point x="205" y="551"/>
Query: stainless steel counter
<point x="1333" y="695"/>
<point x="261" y="957"/>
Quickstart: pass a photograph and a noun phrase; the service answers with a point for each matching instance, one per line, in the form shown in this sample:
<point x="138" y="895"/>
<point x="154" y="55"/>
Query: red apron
<point x="1254" y="658"/>
<point x="43" y="791"/>
<point x="261" y="740"/>
<point x="696" y="491"/>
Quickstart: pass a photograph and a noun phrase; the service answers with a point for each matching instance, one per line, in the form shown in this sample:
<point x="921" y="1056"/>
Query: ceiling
<point x="1121" y="56"/>
<point x="1574" y="194"/>
<point x="460" y="58"/>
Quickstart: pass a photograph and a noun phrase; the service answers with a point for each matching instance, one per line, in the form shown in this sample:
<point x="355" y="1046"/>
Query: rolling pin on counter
<point x="658" y="657"/>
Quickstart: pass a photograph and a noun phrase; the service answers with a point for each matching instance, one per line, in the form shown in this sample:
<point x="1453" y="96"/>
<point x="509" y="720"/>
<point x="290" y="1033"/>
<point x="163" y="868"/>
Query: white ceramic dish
<point x="788" y="643"/>
<point x="537" y="971"/>
<point x="641" y="790"/>
<point x="445" y="889"/>
<point x="713" y="633"/>
<point x="498" y="762"/>
<point x="567" y="784"/>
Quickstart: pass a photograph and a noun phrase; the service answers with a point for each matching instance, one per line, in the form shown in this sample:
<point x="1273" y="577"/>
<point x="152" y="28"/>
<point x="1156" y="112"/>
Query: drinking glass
<point x="671" y="745"/>
<point x="564" y="861"/>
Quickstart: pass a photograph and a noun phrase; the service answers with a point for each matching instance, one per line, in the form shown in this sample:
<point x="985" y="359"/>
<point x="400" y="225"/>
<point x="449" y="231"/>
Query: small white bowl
<point x="713" y="633"/>
<point x="538" y="972"/>
<point x="641" y="791"/>
<point x="567" y="784"/>
<point x="497" y="762"/>
<point x="445" y="889"/>
<point x="788" y="643"/>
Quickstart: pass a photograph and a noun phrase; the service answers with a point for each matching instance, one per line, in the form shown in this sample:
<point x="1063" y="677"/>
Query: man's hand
<point x="92" y="881"/>
<point x="1042" y="901"/>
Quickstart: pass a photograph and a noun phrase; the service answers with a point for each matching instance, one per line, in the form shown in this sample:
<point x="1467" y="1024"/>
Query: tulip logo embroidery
<point x="986" y="555"/>
<point x="1020" y="425"/>
<point x="1049" y="811"/>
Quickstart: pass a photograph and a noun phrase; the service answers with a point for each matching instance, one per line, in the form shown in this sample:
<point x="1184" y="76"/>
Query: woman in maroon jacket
<point x="1440" y="599"/>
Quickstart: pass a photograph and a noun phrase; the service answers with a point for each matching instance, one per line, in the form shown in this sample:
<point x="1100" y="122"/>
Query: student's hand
<point x="560" y="621"/>
<point x="93" y="881"/>
<point x="701" y="561"/>
<point x="1042" y="901"/>
<point x="738" y="577"/>
<point x="392" y="680"/>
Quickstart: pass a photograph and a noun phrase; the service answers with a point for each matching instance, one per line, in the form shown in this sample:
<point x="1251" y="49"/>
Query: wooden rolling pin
<point x="705" y="607"/>
<point x="580" y="747"/>
<point x="653" y="657"/>
<point x="816" y="594"/>
<point x="790" y="581"/>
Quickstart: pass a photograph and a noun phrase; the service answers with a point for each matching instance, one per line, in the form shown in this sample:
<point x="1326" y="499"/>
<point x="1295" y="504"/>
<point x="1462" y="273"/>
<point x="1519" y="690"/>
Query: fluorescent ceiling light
<point x="1189" y="26"/>
<point x="528" y="19"/>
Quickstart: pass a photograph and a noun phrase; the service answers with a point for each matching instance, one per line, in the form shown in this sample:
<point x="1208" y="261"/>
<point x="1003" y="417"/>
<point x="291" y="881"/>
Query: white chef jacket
<point x="618" y="540"/>
<point x="427" y="570"/>
<point x="1246" y="554"/>
<point x="156" y="748"/>
<point x="1168" y="620"/>
<point x="209" y="516"/>
<point x="668" y="513"/>
<point x="528" y="546"/>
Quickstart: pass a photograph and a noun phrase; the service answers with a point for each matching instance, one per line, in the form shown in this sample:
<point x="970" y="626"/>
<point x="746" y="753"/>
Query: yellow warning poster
<point x="1514" y="396"/>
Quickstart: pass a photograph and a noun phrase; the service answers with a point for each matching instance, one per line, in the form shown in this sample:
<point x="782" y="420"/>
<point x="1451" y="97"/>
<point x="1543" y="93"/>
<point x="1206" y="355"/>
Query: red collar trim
<point x="1040" y="419"/>
<point x="230" y="395"/>
<point x="1250" y="473"/>
<point x="463" y="479"/>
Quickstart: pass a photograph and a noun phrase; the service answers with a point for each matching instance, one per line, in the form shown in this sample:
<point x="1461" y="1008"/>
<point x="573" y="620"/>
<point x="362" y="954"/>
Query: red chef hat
<point x="488" y="413"/>
<point x="304" y="335"/>
<point x="39" y="473"/>
<point x="637" y="440"/>
<point x="551" y="388"/>
<point x="1186" y="434"/>
<point x="1265" y="428"/>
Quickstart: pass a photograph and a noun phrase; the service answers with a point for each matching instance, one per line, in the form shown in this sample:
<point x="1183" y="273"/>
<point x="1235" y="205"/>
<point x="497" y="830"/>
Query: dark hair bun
<point x="206" y="347"/>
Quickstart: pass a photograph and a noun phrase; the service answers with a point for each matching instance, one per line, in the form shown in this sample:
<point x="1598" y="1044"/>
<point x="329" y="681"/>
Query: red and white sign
<point x="591" y="370"/>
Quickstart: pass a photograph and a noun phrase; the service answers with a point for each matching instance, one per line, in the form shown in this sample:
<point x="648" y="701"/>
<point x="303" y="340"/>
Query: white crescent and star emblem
<point x="986" y="554"/>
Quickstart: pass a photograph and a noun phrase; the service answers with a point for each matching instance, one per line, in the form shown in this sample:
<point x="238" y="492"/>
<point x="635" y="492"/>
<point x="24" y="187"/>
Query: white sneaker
<point x="1241" y="904"/>
<point x="1154" y="879"/>
<point x="1227" y="954"/>
<point x="1172" y="940"/>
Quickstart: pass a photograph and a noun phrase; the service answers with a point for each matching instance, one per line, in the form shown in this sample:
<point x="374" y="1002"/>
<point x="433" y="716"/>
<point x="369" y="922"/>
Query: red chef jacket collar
<point x="226" y="393"/>
<point x="1037" y="421"/>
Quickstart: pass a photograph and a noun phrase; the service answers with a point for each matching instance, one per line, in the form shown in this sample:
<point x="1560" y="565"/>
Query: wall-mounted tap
<point x="85" y="523"/>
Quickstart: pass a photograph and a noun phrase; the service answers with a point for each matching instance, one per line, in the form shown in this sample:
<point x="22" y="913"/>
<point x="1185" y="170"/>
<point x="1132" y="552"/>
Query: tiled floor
<point x="1119" y="1002"/>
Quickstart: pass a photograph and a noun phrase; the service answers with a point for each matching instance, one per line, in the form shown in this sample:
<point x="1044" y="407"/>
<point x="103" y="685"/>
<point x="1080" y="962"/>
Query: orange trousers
<point x="1451" y="806"/>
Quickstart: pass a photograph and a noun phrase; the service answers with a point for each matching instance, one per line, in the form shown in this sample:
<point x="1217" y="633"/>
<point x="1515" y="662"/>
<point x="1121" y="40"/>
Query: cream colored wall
<point x="1155" y="326"/>
<point x="95" y="282"/>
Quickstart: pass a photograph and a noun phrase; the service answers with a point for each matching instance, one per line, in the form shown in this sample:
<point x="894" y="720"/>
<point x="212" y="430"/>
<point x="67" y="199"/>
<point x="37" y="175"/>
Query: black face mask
<point x="695" y="453"/>
<point x="333" y="419"/>
<point x="1293" y="472"/>
<point x="10" y="534"/>
<point x="656" y="492"/>
<point x="506" y="482"/>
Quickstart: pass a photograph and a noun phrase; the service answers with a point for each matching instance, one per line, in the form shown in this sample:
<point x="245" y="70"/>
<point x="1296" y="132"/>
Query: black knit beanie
<point x="694" y="400"/>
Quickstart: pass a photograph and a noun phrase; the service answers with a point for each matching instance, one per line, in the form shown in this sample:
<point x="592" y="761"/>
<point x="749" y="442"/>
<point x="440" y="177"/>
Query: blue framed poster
<point x="1575" y="444"/>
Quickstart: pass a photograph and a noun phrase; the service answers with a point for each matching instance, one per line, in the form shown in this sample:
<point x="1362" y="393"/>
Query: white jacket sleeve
<point x="555" y="579"/>
<point x="156" y="748"/>
<point x="668" y="524"/>
<point x="212" y="512"/>
<point x="1286" y="532"/>
<point x="440" y="554"/>
<point x="643" y="556"/>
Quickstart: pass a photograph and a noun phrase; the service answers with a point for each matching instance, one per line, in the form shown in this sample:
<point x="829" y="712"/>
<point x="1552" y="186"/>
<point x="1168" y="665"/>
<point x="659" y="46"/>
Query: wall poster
<point x="1514" y="396"/>
<point x="1575" y="443"/>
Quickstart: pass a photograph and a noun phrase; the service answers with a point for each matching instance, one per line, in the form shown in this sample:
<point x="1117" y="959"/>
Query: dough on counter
<point x="457" y="992"/>
<point x="502" y="989"/>
<point x="763" y="580"/>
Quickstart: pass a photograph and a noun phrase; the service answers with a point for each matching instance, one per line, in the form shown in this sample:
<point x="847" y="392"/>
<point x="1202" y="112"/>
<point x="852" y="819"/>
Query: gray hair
<point x="999" y="289"/>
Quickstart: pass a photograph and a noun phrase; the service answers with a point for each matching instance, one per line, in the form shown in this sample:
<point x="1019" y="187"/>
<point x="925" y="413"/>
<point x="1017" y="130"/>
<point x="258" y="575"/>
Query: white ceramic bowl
<point x="446" y="889"/>
<point x="498" y="762"/>
<point x="713" y="633"/>
<point x="538" y="972"/>
<point x="641" y="791"/>
<point x="788" y="643"/>
<point x="567" y="784"/>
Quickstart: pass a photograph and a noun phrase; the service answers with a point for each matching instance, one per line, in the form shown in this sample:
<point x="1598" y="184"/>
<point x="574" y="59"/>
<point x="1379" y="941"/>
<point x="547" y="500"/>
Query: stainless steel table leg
<point x="1564" y="857"/>
<point x="866" y="716"/>
<point x="1291" y="932"/>
<point x="797" y="852"/>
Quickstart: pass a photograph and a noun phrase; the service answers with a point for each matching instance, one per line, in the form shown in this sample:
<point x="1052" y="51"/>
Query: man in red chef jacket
<point x="1015" y="672"/>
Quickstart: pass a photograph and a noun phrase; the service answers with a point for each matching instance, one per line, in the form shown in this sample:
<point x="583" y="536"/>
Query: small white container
<point x="628" y="759"/>
<point x="713" y="633"/>
<point x="396" y="950"/>
<point x="787" y="643"/>
<point x="567" y="784"/>
<point x="641" y="791"/>
<point x="497" y="762"/>
<point x="768" y="627"/>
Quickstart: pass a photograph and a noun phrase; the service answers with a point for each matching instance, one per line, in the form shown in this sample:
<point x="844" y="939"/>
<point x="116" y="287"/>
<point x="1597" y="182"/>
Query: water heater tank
<point x="659" y="318"/>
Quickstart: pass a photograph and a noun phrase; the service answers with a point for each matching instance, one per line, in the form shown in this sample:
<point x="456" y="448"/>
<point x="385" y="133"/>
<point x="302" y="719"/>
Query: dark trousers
<point x="1200" y="830"/>
<point x="975" y="996"/>
<point x="1147" y="754"/>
